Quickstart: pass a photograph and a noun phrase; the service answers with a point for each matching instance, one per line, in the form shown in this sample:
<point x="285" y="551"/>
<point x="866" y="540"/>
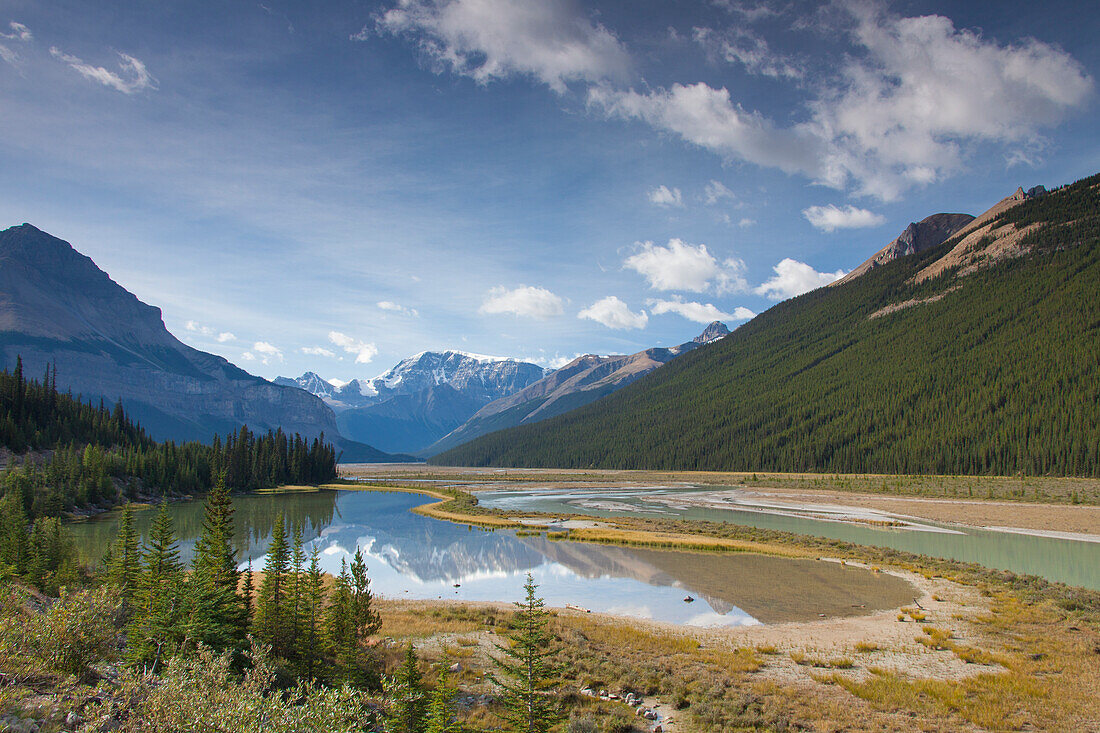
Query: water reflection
<point x="1066" y="561"/>
<point x="411" y="556"/>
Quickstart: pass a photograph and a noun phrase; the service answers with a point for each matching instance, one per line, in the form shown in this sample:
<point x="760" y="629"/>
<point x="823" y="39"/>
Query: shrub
<point x="79" y="630"/>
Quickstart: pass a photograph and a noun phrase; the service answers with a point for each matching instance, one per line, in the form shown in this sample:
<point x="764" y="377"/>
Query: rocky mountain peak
<point x="929" y="232"/>
<point x="713" y="332"/>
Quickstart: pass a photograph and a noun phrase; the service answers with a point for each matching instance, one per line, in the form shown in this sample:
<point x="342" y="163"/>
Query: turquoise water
<point x="1067" y="561"/>
<point x="412" y="556"/>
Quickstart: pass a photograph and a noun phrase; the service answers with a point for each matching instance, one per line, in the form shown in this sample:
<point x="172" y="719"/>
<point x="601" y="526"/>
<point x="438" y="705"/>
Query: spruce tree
<point x="217" y="616"/>
<point x="524" y="671"/>
<point x="295" y="594"/>
<point x="367" y="620"/>
<point x="125" y="559"/>
<point x="271" y="603"/>
<point x="14" y="539"/>
<point x="155" y="625"/>
<point x="442" y="714"/>
<point x="408" y="703"/>
<point x="312" y="639"/>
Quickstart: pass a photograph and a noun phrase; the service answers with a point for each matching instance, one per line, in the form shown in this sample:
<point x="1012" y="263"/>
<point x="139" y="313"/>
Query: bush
<point x="76" y="632"/>
<point x="201" y="692"/>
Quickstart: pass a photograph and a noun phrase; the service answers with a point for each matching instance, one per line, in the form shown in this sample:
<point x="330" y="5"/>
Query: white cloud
<point x="715" y="191"/>
<point x="910" y="98"/>
<point x="522" y="301"/>
<point x="248" y="356"/>
<point x="268" y="352"/>
<point x="20" y="33"/>
<point x="665" y="196"/>
<point x="794" y="278"/>
<point x="133" y="76"/>
<point x="198" y="328"/>
<point x="739" y="45"/>
<point x="707" y="117"/>
<point x="682" y="266"/>
<point x="830" y="218"/>
<point x="363" y="351"/>
<point x="920" y="88"/>
<point x="318" y="351"/>
<point x="389" y="305"/>
<point x="698" y="312"/>
<point x="746" y="222"/>
<point x="552" y="41"/>
<point x="614" y="313"/>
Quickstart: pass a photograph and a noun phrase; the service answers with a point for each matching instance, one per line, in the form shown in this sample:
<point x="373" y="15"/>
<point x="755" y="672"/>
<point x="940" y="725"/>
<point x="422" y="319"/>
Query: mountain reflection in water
<point x="412" y="556"/>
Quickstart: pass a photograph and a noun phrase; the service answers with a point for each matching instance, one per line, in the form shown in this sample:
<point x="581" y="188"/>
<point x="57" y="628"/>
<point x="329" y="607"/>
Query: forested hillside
<point x="77" y="455"/>
<point x="994" y="372"/>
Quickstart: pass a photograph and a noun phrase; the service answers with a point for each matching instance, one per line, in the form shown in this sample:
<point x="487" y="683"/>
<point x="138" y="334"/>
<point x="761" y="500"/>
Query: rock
<point x="72" y="719"/>
<point x="456" y="667"/>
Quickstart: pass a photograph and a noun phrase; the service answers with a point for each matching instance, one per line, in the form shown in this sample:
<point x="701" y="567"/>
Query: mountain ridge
<point x="57" y="307"/>
<point x="583" y="380"/>
<point x="970" y="378"/>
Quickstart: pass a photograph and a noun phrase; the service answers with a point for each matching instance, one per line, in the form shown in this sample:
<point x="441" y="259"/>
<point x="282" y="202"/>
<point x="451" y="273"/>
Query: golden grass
<point x="673" y="541"/>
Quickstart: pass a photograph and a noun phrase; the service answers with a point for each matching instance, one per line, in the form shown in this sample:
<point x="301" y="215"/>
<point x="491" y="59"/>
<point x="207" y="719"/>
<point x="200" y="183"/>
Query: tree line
<point x="80" y="456"/>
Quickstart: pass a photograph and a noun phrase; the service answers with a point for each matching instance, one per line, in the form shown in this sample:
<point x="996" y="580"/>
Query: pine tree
<point x="296" y="595"/>
<point x="408" y="703"/>
<point x="14" y="539"/>
<point x="217" y="616"/>
<point x="155" y="629"/>
<point x="312" y="640"/>
<point x="125" y="560"/>
<point x="367" y="620"/>
<point x="271" y="603"/>
<point x="442" y="714"/>
<point x="524" y="671"/>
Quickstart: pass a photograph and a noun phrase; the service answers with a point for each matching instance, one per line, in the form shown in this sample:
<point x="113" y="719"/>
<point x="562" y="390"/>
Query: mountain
<point x="917" y="237"/>
<point x="978" y="356"/>
<point x="585" y="379"/>
<point x="57" y="307"/>
<point x="311" y="382"/>
<point x="421" y="399"/>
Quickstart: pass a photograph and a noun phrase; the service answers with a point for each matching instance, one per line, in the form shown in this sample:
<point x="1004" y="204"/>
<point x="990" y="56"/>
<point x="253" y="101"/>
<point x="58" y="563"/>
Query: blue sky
<point x="336" y="186"/>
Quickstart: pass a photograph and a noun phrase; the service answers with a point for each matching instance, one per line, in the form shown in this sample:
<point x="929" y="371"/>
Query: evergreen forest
<point x="995" y="372"/>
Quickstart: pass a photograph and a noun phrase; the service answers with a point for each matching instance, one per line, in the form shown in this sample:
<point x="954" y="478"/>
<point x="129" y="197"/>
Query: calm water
<point x="1067" y="561"/>
<point x="411" y="556"/>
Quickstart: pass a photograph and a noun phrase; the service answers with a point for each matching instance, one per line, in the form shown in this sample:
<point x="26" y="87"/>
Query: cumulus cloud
<point x="389" y="305"/>
<point x="830" y="218"/>
<point x="268" y="352"/>
<point x="318" y="351"/>
<point x="362" y="350"/>
<point x="715" y="191"/>
<point x="614" y="313"/>
<point x="746" y="222"/>
<point x="132" y="77"/>
<point x="665" y="196"/>
<point x="525" y="300"/>
<point x="553" y="41"/>
<point x="683" y="266"/>
<point x="225" y="337"/>
<point x="739" y="45"/>
<point x="921" y="88"/>
<point x="698" y="312"/>
<point x="794" y="278"/>
<point x="906" y="103"/>
<point x="248" y="356"/>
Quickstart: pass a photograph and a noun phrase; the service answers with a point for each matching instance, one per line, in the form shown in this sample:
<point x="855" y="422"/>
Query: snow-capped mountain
<point x="422" y="398"/>
<point x="585" y="379"/>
